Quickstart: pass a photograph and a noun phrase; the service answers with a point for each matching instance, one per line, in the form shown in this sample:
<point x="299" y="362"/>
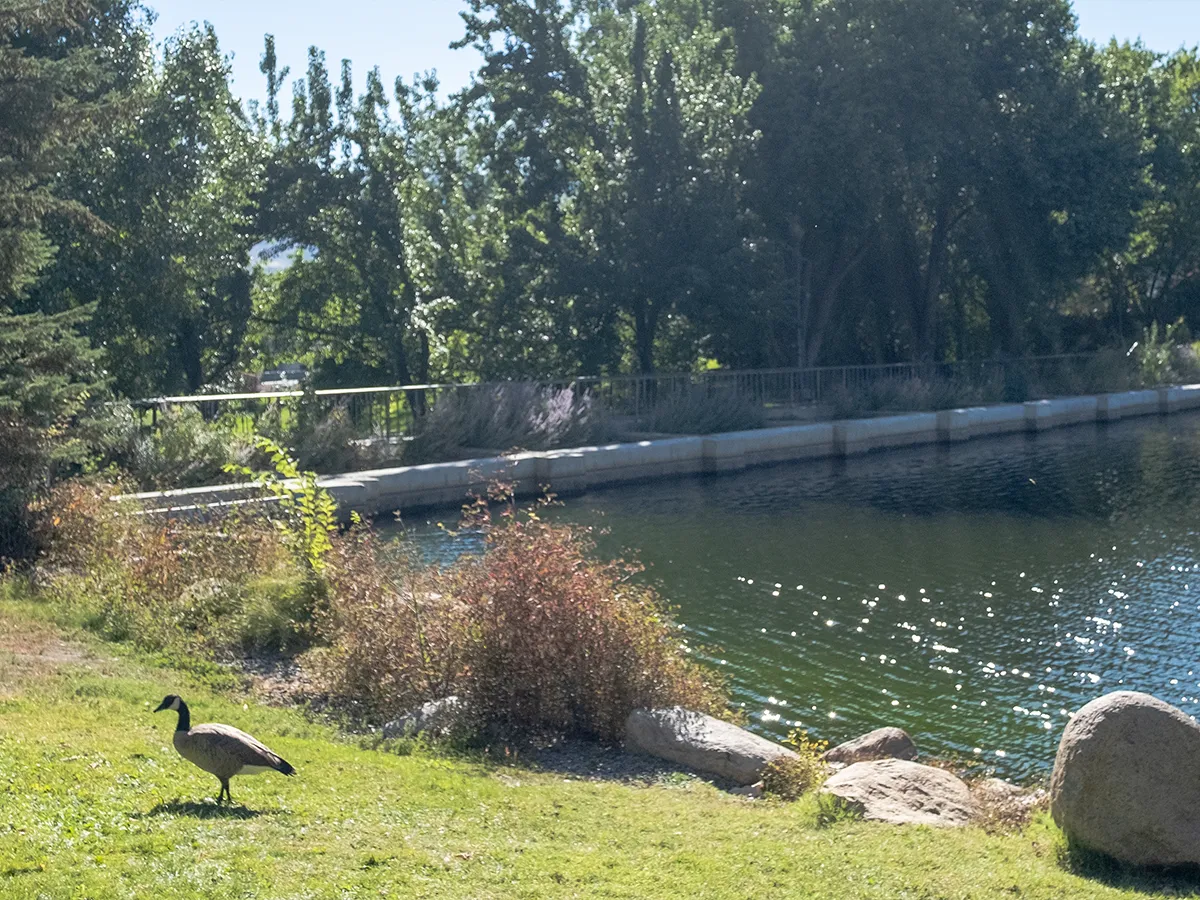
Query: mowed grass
<point x="94" y="803"/>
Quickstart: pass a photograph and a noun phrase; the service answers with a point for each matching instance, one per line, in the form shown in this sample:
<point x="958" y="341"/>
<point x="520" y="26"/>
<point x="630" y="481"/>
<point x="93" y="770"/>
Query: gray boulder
<point x="701" y="742"/>
<point x="436" y="718"/>
<point x="1126" y="780"/>
<point x="902" y="792"/>
<point x="882" y="743"/>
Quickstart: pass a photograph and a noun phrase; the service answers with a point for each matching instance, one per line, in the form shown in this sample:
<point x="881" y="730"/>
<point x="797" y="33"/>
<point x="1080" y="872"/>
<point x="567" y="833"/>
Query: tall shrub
<point x="534" y="633"/>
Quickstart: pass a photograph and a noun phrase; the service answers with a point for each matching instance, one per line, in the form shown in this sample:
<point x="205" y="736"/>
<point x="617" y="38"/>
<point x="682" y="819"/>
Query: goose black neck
<point x="185" y="718"/>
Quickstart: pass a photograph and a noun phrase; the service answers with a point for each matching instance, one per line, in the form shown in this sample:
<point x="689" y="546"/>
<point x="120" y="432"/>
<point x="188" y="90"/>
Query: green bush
<point x="505" y="417"/>
<point x="275" y="613"/>
<point x="308" y="514"/>
<point x="790" y="778"/>
<point x="322" y="439"/>
<point x="1166" y="357"/>
<point x="700" y="409"/>
<point x="187" y="451"/>
<point x="205" y="586"/>
<point x="911" y="395"/>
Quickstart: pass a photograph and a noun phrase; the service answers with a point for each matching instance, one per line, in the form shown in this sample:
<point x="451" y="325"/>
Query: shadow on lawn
<point x="203" y="811"/>
<point x="1177" y="881"/>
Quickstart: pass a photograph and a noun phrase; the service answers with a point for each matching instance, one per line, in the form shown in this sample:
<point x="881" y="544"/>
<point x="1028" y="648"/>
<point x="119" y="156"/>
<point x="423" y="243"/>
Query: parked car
<point x="287" y="377"/>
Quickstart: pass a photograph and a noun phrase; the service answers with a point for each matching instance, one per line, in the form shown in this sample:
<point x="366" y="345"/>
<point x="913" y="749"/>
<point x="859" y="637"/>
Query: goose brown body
<point x="222" y="750"/>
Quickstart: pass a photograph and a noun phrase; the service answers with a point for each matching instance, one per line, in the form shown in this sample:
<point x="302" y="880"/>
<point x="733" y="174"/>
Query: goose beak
<point x="161" y="706"/>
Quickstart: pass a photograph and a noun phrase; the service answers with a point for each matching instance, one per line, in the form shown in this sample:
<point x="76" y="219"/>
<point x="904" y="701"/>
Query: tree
<point x="672" y="231"/>
<point x="334" y="197"/>
<point x="536" y="131"/>
<point x="917" y="157"/>
<point x="614" y="134"/>
<point x="54" y="89"/>
<point x="176" y="184"/>
<point x="1155" y="278"/>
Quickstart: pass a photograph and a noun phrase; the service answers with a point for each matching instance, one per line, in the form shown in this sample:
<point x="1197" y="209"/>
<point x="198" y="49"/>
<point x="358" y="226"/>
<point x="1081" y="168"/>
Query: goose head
<point x="171" y="701"/>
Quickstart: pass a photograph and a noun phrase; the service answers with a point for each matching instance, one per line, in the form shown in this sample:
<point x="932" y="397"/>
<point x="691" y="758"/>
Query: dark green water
<point x="974" y="596"/>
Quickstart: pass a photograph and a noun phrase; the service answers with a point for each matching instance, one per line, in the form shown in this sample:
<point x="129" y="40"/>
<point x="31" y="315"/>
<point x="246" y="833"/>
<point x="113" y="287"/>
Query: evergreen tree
<point x="55" y="87"/>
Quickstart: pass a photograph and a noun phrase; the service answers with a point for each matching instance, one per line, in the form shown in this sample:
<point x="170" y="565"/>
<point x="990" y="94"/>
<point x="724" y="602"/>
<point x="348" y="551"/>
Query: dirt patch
<point x="28" y="651"/>
<point x="282" y="681"/>
<point x="591" y="761"/>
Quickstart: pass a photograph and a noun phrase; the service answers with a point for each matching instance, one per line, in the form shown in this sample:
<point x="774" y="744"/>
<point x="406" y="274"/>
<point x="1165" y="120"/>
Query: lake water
<point x="973" y="595"/>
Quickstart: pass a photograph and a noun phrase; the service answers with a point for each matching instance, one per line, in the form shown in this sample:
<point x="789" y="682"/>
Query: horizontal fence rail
<point x="389" y="412"/>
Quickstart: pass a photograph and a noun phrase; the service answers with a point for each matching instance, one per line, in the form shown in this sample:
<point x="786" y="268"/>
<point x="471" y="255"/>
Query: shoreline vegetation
<point x="95" y="803"/>
<point x="544" y="641"/>
<point x="175" y="445"/>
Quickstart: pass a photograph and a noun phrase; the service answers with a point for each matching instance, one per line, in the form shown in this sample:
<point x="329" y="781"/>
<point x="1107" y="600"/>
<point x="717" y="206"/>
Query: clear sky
<point x="404" y="37"/>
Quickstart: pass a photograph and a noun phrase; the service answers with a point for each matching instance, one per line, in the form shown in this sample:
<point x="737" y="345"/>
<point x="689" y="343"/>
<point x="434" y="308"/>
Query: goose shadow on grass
<point x="203" y="811"/>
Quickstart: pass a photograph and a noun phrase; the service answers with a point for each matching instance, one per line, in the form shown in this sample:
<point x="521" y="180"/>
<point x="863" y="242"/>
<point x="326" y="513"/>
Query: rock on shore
<point x="882" y="743"/>
<point x="701" y="742"/>
<point x="902" y="793"/>
<point x="1126" y="780"/>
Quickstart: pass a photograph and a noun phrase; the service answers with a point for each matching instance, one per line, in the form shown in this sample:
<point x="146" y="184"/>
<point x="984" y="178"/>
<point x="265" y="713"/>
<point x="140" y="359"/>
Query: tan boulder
<point x="1126" y="780"/>
<point x="903" y="793"/>
<point x="882" y="743"/>
<point x="701" y="742"/>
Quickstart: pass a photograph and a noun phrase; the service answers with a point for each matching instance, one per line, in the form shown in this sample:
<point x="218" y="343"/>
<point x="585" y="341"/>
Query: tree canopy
<point x="623" y="187"/>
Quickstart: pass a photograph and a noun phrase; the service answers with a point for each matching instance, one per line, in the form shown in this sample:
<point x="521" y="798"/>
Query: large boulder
<point x="902" y="792"/>
<point x="701" y="742"/>
<point x="436" y="718"/>
<point x="882" y="743"/>
<point x="1126" y="780"/>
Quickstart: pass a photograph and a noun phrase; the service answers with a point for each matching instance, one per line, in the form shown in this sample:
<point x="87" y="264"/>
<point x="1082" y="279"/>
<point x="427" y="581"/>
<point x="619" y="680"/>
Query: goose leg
<point x="224" y="792"/>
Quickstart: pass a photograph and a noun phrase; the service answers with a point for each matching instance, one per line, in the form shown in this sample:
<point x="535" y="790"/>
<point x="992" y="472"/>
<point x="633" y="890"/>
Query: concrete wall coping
<point x="576" y="468"/>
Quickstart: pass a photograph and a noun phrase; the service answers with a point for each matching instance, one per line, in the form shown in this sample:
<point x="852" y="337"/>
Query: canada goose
<point x="221" y="750"/>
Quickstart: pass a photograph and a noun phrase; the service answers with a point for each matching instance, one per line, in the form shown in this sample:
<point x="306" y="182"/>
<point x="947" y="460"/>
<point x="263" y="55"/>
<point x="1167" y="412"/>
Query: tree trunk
<point x="645" y="324"/>
<point x="925" y="319"/>
<point x="847" y="257"/>
<point x="188" y="343"/>
<point x="803" y="304"/>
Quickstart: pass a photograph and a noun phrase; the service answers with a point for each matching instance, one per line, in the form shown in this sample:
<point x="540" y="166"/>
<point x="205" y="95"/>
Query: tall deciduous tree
<point x="176" y="185"/>
<point x="614" y="132"/>
<point x="335" y="196"/>
<point x="1156" y="277"/>
<point x="906" y="146"/>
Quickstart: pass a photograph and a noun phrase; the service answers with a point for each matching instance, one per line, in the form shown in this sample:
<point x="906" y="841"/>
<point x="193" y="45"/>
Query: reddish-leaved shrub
<point x="534" y="633"/>
<point x="394" y="640"/>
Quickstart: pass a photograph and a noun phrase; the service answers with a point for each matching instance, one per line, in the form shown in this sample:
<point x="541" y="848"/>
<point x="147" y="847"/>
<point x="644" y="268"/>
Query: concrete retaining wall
<point x="1177" y="399"/>
<point x="1110" y="407"/>
<point x="576" y="469"/>
<point x="738" y="449"/>
<point x="1042" y="414"/>
<point x="863" y="435"/>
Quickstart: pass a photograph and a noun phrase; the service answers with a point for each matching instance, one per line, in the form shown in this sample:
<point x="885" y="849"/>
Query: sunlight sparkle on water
<point x="952" y="531"/>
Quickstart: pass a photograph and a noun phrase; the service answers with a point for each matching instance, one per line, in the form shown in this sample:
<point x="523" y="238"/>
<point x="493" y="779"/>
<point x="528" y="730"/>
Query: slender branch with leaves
<point x="309" y="512"/>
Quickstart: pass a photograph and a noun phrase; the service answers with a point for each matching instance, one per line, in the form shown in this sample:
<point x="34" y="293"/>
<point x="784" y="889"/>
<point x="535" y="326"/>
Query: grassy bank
<point x="95" y="803"/>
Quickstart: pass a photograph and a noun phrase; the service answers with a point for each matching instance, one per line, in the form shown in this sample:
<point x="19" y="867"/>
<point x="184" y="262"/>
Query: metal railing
<point x="389" y="411"/>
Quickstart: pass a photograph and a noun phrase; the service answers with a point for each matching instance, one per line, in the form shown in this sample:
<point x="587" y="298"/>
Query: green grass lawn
<point x="95" y="803"/>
